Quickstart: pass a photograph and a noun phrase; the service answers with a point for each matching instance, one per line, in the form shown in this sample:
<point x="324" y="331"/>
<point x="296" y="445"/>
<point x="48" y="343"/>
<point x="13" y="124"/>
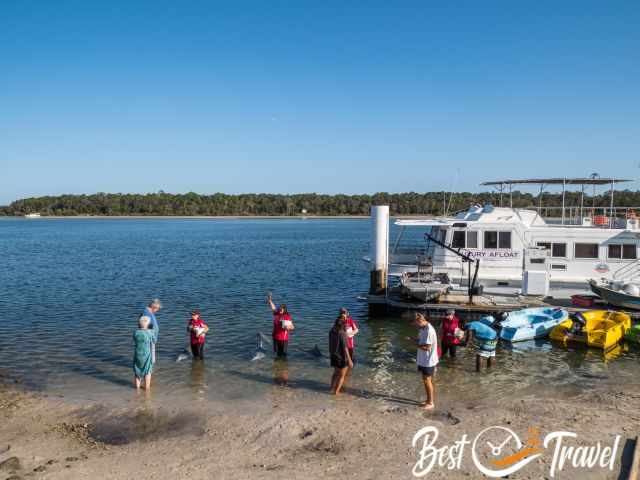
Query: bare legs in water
<point x="337" y="380"/>
<point x="147" y="382"/>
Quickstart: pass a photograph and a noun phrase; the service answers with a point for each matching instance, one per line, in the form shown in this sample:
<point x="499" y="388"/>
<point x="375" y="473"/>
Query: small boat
<point x="32" y="215"/>
<point x="583" y="301"/>
<point x="424" y="287"/>
<point x="617" y="294"/>
<point x="602" y="329"/>
<point x="531" y="323"/>
<point x="633" y="334"/>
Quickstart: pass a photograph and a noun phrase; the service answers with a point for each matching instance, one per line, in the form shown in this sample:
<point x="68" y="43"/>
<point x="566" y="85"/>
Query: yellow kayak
<point x="603" y="329"/>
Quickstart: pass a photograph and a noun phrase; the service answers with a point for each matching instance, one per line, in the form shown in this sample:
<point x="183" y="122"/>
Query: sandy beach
<point x="288" y="437"/>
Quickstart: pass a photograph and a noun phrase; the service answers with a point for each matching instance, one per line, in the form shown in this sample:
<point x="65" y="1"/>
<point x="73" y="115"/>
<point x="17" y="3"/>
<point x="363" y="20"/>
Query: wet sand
<point x="288" y="436"/>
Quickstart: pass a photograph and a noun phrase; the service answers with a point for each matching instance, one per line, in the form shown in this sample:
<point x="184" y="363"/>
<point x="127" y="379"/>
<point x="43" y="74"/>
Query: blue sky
<point x="352" y="97"/>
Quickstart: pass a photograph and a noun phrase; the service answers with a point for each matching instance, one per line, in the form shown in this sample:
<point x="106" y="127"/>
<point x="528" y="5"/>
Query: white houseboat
<point x="519" y="251"/>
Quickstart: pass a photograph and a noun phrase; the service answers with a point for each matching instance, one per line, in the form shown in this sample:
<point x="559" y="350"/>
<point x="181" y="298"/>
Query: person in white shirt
<point x="427" y="360"/>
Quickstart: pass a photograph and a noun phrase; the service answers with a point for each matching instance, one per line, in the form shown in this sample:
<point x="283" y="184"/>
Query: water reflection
<point x="198" y="375"/>
<point x="280" y="370"/>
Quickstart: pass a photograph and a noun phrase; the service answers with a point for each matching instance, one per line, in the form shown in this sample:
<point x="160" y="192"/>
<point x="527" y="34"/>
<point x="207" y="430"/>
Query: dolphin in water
<point x="315" y="352"/>
<point x="260" y="350"/>
<point x="182" y="356"/>
<point x="185" y="354"/>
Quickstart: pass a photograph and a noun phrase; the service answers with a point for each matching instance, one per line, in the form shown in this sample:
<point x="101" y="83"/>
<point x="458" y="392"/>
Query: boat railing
<point x="628" y="272"/>
<point x="574" y="215"/>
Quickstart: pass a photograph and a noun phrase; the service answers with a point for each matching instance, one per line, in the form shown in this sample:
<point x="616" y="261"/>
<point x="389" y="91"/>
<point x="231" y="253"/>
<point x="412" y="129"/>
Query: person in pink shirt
<point x="352" y="330"/>
<point x="282" y="325"/>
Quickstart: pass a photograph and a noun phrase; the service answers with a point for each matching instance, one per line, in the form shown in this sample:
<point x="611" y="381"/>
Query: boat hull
<point x="531" y="323"/>
<point x="617" y="299"/>
<point x="604" y="329"/>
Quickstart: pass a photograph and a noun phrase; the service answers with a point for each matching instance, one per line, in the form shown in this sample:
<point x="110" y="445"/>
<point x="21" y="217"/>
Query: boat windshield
<point x="412" y="240"/>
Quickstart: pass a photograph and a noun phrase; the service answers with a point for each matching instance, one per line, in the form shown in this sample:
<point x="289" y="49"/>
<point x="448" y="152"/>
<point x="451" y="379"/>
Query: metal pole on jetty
<point x="379" y="249"/>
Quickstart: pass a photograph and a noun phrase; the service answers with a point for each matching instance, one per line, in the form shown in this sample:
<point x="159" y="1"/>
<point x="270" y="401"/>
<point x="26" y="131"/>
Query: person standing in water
<point x="198" y="330"/>
<point x="352" y="331"/>
<point x="339" y="353"/>
<point x="484" y="338"/>
<point x="450" y="331"/>
<point x="427" y="358"/>
<point x="143" y="338"/>
<point x="150" y="312"/>
<point x="282" y="325"/>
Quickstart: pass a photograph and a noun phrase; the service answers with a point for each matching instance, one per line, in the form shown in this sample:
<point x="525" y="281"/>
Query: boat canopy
<point x="557" y="181"/>
<point x="594" y="179"/>
<point x="419" y="222"/>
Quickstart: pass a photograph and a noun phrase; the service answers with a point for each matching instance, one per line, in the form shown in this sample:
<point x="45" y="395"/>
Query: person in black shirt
<point x="339" y="354"/>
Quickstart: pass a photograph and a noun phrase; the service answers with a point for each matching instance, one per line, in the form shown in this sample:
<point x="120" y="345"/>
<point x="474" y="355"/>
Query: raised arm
<point x="271" y="304"/>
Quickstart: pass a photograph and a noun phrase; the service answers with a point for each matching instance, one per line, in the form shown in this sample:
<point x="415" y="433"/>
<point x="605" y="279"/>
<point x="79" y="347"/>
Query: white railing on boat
<point x="628" y="272"/>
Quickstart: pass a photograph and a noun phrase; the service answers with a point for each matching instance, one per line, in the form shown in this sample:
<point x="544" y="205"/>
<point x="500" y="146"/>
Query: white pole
<point x="611" y="213"/>
<point x="563" y="181"/>
<point x="379" y="248"/>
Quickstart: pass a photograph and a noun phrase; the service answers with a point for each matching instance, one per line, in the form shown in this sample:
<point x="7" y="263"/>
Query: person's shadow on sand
<point x="314" y="386"/>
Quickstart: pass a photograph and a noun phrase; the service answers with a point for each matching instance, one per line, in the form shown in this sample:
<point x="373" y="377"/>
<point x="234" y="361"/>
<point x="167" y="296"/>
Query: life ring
<point x="600" y="220"/>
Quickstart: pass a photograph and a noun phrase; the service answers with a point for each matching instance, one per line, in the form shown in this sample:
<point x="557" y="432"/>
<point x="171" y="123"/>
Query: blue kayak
<point x="531" y="323"/>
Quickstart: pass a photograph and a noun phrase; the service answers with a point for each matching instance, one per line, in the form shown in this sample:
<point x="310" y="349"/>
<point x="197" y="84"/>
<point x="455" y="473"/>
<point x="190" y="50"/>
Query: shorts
<point x="353" y="359"/>
<point x="449" y="348"/>
<point x="485" y="348"/>
<point x="280" y="347"/>
<point x="338" y="362"/>
<point x="427" y="371"/>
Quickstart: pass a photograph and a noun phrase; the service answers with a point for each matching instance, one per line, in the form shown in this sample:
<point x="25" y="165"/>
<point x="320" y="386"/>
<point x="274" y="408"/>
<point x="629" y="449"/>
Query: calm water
<point x="71" y="292"/>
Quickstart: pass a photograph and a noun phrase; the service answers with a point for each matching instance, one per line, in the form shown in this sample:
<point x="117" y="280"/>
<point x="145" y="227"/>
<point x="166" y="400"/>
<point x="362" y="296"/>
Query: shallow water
<point x="71" y="292"/>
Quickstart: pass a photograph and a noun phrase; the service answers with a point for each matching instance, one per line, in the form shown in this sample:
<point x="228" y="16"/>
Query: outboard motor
<point x="578" y="322"/>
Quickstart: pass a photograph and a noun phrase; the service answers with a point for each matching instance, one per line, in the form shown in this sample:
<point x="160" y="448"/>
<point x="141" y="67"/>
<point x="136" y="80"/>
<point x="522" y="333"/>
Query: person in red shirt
<point x="282" y="325"/>
<point x="352" y="330"/>
<point x="450" y="341"/>
<point x="198" y="330"/>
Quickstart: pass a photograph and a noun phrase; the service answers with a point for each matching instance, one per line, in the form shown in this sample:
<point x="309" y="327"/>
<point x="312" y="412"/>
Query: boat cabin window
<point x="626" y="251"/>
<point x="464" y="239"/>
<point x="586" y="250"/>
<point x="472" y="239"/>
<point x="556" y="250"/>
<point x="504" y="240"/>
<point x="458" y="240"/>
<point x="490" y="239"/>
<point x="493" y="240"/>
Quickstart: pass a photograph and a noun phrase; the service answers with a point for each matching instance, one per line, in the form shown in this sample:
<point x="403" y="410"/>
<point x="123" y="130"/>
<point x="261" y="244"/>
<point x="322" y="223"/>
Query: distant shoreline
<point x="208" y="217"/>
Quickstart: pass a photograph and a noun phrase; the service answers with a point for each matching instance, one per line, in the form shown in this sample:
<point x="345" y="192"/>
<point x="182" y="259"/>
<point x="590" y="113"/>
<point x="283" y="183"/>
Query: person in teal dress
<point x="144" y="338"/>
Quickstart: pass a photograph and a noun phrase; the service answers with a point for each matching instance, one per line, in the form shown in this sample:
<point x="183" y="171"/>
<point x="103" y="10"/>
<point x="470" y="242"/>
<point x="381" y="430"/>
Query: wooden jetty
<point x="481" y="305"/>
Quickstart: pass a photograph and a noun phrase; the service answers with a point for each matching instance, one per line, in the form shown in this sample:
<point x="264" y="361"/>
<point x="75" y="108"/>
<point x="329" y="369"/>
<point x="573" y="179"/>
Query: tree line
<point x="220" y="204"/>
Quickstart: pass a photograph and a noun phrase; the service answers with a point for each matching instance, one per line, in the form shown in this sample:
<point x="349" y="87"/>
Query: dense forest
<point x="161" y="203"/>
